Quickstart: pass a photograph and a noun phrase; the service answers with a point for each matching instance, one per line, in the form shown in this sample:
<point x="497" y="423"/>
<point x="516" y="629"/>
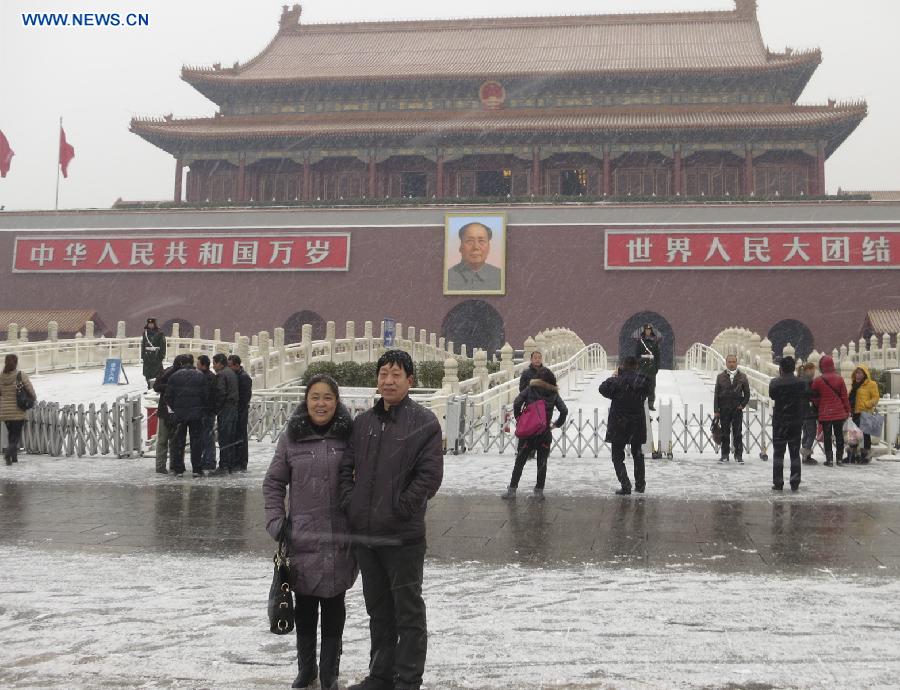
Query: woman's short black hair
<point x="327" y="380"/>
<point x="398" y="357"/>
<point x="547" y="376"/>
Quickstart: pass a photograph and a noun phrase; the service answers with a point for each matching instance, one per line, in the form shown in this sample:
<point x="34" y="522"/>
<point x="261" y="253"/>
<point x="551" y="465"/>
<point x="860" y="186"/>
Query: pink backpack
<point x="533" y="421"/>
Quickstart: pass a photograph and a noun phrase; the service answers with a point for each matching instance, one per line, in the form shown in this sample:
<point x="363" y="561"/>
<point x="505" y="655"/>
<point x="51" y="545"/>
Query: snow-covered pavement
<point x="159" y="619"/>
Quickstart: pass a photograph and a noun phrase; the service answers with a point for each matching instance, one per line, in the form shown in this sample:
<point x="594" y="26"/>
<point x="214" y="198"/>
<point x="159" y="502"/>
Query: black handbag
<point x="281" y="599"/>
<point x="24" y="401"/>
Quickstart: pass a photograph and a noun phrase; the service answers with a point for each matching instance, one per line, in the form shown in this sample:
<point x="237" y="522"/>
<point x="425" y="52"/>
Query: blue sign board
<point x="113" y="371"/>
<point x="390" y="331"/>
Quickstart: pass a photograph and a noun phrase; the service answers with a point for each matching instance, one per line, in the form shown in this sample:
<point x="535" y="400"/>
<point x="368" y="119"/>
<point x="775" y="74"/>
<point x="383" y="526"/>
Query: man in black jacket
<point x="791" y="398"/>
<point x="245" y="392"/>
<point x="186" y="393"/>
<point x="392" y="465"/>
<point x="537" y="363"/>
<point x="227" y="396"/>
<point x="209" y="415"/>
<point x="627" y="423"/>
<point x="165" y="426"/>
<point x="731" y="396"/>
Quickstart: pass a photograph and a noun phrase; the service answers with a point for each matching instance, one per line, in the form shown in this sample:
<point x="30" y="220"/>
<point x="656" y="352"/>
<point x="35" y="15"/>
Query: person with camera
<point x="627" y="422"/>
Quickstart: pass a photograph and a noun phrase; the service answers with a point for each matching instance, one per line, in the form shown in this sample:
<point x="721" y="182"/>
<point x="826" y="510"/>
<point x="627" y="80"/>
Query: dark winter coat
<point x="245" y="388"/>
<point x="730" y="395"/>
<point x="305" y="468"/>
<point x="648" y="366"/>
<point x="527" y="376"/>
<point x="539" y="389"/>
<point x="161" y="385"/>
<point x="211" y="392"/>
<point x="9" y="410"/>
<point x="627" y="422"/>
<point x="829" y="392"/>
<point x="186" y="394"/>
<point x="153" y="351"/>
<point x="226" y="388"/>
<point x="791" y="396"/>
<point x="810" y="411"/>
<point x="393" y="464"/>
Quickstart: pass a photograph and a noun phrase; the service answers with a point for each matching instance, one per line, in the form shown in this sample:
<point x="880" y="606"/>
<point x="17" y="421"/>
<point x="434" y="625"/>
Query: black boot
<point x="329" y="663"/>
<point x="306" y="661"/>
<point x="14" y="453"/>
<point x="6" y="455"/>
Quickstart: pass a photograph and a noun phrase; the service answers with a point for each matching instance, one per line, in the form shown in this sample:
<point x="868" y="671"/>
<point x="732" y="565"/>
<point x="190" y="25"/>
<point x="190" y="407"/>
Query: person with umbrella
<point x="647" y="353"/>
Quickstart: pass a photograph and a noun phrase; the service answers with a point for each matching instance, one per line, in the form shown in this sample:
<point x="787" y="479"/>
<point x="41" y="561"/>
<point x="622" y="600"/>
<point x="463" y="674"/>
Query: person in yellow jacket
<point x="864" y="396"/>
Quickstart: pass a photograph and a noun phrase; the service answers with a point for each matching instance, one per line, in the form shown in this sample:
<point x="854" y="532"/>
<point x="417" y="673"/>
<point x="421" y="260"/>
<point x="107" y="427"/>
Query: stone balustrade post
<point x="885" y="346"/>
<point x="814" y="358"/>
<point x="847" y="367"/>
<point x="481" y="370"/>
<point x="243" y="349"/>
<point x="442" y="345"/>
<point x="450" y="346"/>
<point x="765" y="350"/>
<point x="450" y="382"/>
<point x="306" y="343"/>
<point x="507" y="366"/>
<point x="540" y="344"/>
<point x="462" y="351"/>
<point x="330" y="336"/>
<point x="237" y="340"/>
<point x="12" y="333"/>
<point x="279" y="338"/>
<point x="53" y="331"/>
<point x="788" y="351"/>
<point x="217" y="335"/>
<point x="89" y="330"/>
<point x="176" y="330"/>
<point x="264" y="343"/>
<point x="254" y="341"/>
<point x="529" y="347"/>
<point x="120" y="330"/>
<point x="198" y="333"/>
<point x="368" y="334"/>
<point x="23" y="335"/>
<point x="350" y="336"/>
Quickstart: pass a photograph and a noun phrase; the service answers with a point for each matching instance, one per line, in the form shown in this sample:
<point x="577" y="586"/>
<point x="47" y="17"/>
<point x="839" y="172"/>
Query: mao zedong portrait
<point x="473" y="273"/>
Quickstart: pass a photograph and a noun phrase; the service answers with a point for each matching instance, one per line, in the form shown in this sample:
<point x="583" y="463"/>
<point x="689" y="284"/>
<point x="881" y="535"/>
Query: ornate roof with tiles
<point x="720" y="41"/>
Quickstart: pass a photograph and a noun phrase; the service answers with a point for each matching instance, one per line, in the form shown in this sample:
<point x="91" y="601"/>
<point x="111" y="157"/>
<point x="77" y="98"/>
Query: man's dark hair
<point x="188" y="360"/>
<point x="465" y="227"/>
<point x="220" y="358"/>
<point x="630" y="362"/>
<point x="234" y="359"/>
<point x="204" y="360"/>
<point x="398" y="357"/>
<point x="786" y="365"/>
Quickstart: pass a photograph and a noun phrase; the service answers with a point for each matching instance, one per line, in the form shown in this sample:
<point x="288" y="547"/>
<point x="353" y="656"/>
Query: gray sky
<point x="97" y="79"/>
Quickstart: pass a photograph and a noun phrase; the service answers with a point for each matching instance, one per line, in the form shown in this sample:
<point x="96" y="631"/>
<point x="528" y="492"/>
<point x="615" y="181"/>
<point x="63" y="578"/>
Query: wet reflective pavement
<point x="780" y="535"/>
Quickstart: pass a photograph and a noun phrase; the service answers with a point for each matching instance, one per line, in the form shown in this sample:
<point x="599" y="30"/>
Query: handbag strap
<point x="835" y="391"/>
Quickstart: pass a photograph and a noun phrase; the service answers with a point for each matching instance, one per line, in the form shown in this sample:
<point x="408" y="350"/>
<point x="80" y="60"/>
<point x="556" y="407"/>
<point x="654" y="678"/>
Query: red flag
<point x="66" y="152"/>
<point x="6" y="154"/>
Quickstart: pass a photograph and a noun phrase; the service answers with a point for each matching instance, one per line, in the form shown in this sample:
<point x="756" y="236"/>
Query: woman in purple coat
<point x="305" y="468"/>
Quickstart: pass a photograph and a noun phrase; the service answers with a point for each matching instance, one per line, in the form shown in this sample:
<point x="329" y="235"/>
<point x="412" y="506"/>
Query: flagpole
<point x="56" y="203"/>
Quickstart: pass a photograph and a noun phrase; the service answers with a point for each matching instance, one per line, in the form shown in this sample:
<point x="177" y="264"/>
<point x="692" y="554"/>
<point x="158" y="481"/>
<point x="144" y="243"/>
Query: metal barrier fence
<point x="106" y="429"/>
<point x="669" y="433"/>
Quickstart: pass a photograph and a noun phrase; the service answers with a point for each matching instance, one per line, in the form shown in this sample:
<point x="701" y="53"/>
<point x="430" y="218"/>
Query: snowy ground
<point x="91" y="620"/>
<point x="162" y="621"/>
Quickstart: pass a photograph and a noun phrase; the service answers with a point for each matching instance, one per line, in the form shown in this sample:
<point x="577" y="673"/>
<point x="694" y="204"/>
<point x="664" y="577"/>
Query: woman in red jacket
<point x="829" y="393"/>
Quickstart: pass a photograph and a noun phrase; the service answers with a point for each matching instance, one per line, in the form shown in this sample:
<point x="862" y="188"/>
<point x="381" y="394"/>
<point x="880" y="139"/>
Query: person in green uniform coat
<point x="647" y="353"/>
<point x="153" y="351"/>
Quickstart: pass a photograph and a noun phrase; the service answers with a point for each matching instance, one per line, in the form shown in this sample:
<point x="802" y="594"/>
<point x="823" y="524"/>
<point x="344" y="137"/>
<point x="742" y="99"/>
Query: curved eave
<point x="172" y="136"/>
<point x="232" y="78"/>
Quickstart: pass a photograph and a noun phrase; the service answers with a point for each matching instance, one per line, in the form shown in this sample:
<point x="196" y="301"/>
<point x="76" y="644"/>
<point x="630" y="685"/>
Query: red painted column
<point x="179" y="177"/>
<point x="749" y="179"/>
<point x="536" y="186"/>
<point x="677" y="173"/>
<point x="439" y="177"/>
<point x="820" y="168"/>
<point x="242" y="180"/>
<point x="373" y="179"/>
<point x="607" y="180"/>
<point x="307" y="181"/>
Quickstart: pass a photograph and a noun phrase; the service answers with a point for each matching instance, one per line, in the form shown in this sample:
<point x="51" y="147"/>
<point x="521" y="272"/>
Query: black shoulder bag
<point x="281" y="600"/>
<point x="24" y="401"/>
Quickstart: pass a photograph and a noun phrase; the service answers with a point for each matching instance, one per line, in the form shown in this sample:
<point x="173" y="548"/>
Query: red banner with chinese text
<point x="771" y="249"/>
<point x="278" y="251"/>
